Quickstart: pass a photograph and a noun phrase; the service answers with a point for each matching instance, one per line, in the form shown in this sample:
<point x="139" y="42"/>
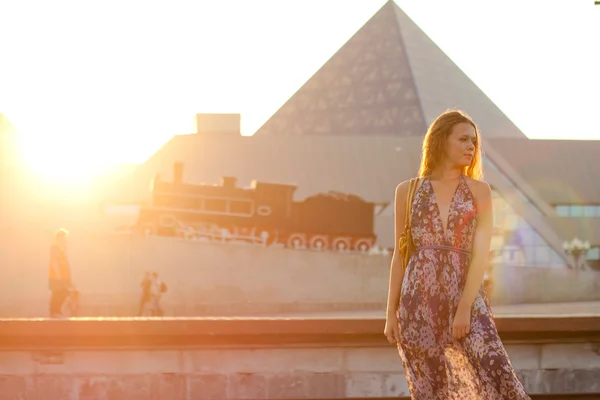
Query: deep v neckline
<point x="450" y="207"/>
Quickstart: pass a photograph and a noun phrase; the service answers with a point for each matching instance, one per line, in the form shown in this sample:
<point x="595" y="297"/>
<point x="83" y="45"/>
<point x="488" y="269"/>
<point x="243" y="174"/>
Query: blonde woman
<point x="437" y="313"/>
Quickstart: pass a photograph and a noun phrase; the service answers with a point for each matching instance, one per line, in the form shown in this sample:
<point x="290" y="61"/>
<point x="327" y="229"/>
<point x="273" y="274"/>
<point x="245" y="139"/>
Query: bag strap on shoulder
<point x="412" y="188"/>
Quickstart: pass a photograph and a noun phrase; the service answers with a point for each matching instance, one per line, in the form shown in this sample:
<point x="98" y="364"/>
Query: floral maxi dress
<point x="438" y="367"/>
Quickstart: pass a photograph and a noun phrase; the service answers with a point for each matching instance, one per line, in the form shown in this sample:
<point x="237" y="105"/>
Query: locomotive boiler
<point x="265" y="213"/>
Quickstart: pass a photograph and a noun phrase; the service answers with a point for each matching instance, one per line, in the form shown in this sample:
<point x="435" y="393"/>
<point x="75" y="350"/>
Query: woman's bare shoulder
<point x="402" y="188"/>
<point x="481" y="189"/>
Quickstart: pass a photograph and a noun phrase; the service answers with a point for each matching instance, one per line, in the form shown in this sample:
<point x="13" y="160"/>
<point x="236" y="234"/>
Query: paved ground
<point x="591" y="308"/>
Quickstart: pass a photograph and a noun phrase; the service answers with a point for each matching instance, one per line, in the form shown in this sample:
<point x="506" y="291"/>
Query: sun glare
<point x="63" y="170"/>
<point x="57" y="164"/>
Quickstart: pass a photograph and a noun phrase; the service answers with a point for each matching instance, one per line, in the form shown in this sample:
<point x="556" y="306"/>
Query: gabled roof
<point x="388" y="79"/>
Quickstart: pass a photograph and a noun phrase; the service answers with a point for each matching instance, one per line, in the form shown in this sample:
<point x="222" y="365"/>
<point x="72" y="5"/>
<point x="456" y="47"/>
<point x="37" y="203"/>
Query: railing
<point x="47" y="346"/>
<point x="262" y="331"/>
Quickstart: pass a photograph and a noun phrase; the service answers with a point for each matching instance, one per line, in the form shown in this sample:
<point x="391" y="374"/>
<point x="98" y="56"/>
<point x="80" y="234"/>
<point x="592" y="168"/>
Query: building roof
<point x="554" y="172"/>
<point x="389" y="78"/>
<point x="561" y="171"/>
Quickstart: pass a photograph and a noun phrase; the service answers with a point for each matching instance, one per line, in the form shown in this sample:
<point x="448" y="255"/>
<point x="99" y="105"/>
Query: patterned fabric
<point x="436" y="365"/>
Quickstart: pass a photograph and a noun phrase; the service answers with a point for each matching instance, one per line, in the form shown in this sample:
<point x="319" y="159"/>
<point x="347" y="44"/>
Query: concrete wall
<point x="209" y="278"/>
<point x="267" y="373"/>
<point x="108" y="271"/>
<point x="515" y="285"/>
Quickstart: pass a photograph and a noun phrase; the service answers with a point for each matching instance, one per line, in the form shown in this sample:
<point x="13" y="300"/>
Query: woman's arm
<point x="481" y="243"/>
<point x="396" y="271"/>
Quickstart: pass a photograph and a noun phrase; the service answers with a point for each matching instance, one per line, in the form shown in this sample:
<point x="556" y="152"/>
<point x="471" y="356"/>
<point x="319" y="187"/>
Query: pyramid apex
<point x="388" y="79"/>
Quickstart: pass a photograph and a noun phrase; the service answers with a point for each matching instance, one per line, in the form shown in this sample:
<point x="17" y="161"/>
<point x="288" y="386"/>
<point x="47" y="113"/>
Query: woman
<point x="437" y="311"/>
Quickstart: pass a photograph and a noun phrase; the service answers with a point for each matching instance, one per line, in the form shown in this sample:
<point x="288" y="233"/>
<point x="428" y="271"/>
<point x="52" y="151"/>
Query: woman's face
<point x="460" y="145"/>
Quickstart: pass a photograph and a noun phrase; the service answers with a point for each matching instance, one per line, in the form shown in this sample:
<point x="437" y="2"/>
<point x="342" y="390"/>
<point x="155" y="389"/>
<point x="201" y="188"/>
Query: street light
<point x="576" y="248"/>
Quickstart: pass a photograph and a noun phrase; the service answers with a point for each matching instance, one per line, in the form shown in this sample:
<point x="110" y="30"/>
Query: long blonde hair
<point x="435" y="140"/>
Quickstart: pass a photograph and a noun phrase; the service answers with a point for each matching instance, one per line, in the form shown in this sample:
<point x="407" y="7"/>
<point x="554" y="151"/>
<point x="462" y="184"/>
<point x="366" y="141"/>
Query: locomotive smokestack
<point x="228" y="182"/>
<point x="178" y="173"/>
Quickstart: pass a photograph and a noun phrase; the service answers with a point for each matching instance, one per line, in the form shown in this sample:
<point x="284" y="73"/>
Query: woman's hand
<point x="391" y="330"/>
<point x="462" y="322"/>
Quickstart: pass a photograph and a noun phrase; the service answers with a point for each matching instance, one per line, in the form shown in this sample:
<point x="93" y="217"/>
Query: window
<point x="487" y="162"/>
<point x="578" y="210"/>
<point x="240" y="207"/>
<point x="542" y="254"/>
<point x="563" y="211"/>
<point x="215" y="205"/>
<point x="590" y="211"/>
<point x="516" y="242"/>
<point x="593" y="253"/>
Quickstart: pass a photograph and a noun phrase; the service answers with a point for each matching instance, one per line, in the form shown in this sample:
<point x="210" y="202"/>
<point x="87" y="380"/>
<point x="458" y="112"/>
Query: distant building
<point x="357" y="125"/>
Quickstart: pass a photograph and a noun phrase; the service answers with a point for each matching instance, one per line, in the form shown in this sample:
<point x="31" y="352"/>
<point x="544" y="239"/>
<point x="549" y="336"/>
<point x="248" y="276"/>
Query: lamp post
<point x="576" y="248"/>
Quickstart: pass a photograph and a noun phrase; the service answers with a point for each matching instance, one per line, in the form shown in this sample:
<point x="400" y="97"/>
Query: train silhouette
<point x="265" y="213"/>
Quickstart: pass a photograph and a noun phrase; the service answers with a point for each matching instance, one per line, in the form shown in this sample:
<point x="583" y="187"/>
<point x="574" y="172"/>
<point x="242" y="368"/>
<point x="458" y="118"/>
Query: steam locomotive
<point x="263" y="214"/>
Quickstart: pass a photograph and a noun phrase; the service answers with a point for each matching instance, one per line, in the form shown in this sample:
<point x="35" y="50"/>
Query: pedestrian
<point x="59" y="273"/>
<point x="158" y="288"/>
<point x="146" y="293"/>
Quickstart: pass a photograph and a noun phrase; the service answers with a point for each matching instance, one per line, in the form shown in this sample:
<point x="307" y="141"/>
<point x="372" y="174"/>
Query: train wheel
<point x="147" y="229"/>
<point x="266" y="237"/>
<point x="214" y="232"/>
<point x="363" y="245"/>
<point x="319" y="242"/>
<point x="243" y="233"/>
<point x="296" y="241"/>
<point x="341" y="244"/>
<point x="188" y="232"/>
<point x="225" y="235"/>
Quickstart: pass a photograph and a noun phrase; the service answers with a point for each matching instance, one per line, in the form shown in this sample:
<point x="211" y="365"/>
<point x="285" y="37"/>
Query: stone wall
<point x="516" y="285"/>
<point x="264" y="373"/>
<point x="213" y="278"/>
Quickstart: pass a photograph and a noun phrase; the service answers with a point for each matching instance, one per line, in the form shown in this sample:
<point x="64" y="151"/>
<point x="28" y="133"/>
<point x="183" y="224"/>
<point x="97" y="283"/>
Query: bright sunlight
<point x="104" y="97"/>
<point x="52" y="160"/>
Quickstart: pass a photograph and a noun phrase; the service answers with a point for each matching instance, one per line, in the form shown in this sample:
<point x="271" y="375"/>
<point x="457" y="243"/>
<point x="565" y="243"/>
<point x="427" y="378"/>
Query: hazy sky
<point x="117" y="79"/>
